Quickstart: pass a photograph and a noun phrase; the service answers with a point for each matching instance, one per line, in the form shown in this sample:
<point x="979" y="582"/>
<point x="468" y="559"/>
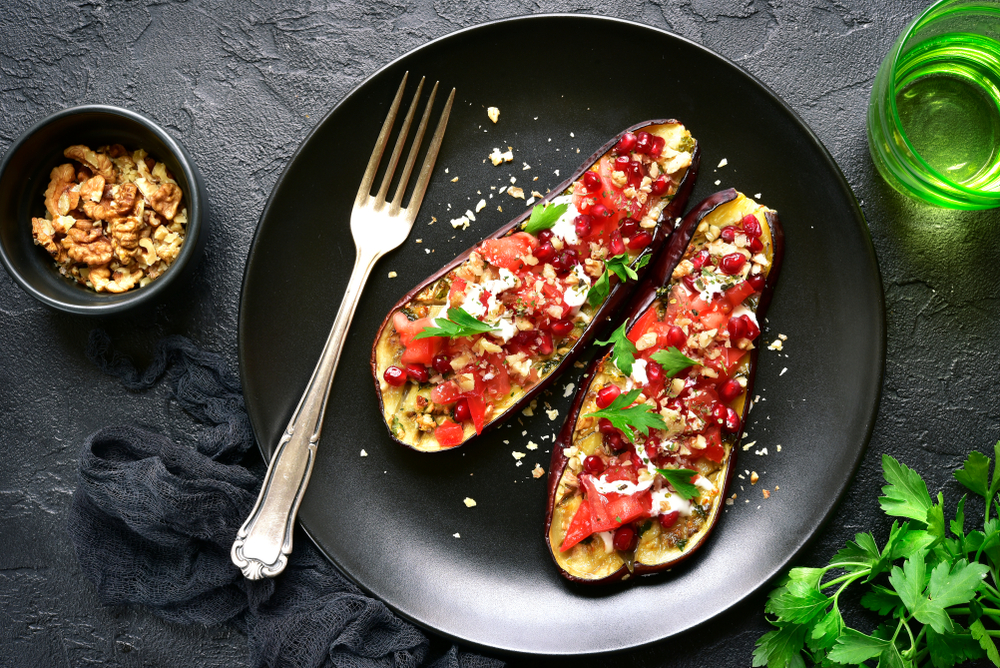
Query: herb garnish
<point x="618" y="265"/>
<point x="680" y="480"/>
<point x="623" y="354"/>
<point x="673" y="361"/>
<point x="456" y="324"/>
<point x="937" y="604"/>
<point x="543" y="217"/>
<point x="641" y="418"/>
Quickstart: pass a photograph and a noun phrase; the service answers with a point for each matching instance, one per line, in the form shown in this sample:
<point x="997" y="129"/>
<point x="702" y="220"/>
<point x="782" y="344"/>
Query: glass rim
<point x="893" y="117"/>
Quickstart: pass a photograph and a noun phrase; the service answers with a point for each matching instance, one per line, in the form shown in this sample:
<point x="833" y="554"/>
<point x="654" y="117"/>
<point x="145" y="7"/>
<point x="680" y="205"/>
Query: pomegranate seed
<point x="543" y="343"/>
<point x="731" y="423"/>
<point x="545" y="252"/>
<point x="599" y="211"/>
<point x="643" y="142"/>
<point x="700" y="259"/>
<point x="592" y="181"/>
<point x="626" y="143"/>
<point x="753" y="331"/>
<point x="730" y="390"/>
<point x="545" y="235"/>
<point x="395" y="375"/>
<point x="617" y="245"/>
<point x="654" y="372"/>
<point x="669" y="519"/>
<point x="755" y="245"/>
<point x="737" y="328"/>
<point x="751" y="225"/>
<point x="606" y="395"/>
<point x="621" y="163"/>
<point x="584" y="225"/>
<point x="562" y="327"/>
<point x="628" y="227"/>
<point x="719" y="412"/>
<point x="605" y="427"/>
<point x="635" y="174"/>
<point x="732" y="263"/>
<point x="756" y="281"/>
<point x="656" y="148"/>
<point x="462" y="411"/>
<point x="615" y="441"/>
<point x="624" y="539"/>
<point x="688" y="282"/>
<point x="593" y="465"/>
<point x="418" y="372"/>
<point x="442" y="364"/>
<point x="676" y="337"/>
<point x="659" y="186"/>
<point x="728" y="234"/>
<point x="640" y="240"/>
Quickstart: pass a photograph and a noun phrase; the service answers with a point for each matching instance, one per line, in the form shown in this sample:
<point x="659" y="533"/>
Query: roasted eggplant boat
<point x="640" y="468"/>
<point x="474" y="342"/>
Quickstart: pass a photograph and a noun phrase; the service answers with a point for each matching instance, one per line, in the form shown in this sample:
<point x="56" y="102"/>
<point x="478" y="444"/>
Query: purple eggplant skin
<point x="618" y="294"/>
<point x="643" y="298"/>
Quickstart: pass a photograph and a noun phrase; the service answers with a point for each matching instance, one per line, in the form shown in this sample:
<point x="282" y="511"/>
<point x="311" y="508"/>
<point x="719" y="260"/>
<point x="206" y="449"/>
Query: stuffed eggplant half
<point x="474" y="342"/>
<point x="639" y="470"/>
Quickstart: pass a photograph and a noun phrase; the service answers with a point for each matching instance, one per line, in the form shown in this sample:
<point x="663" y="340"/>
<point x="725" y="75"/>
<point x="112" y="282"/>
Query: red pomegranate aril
<point x="545" y="252"/>
<point x="605" y="427"/>
<point x="628" y="227"/>
<point x="654" y="372"/>
<point x="737" y="328"/>
<point x="418" y="372"/>
<point x="731" y="423"/>
<point x="757" y="281"/>
<point x="730" y="390"/>
<point x="599" y="211"/>
<point x="676" y="337"/>
<point x="584" y="225"/>
<point x="592" y="181"/>
<point x="635" y="174"/>
<point x="606" y="395"/>
<point x="751" y="225"/>
<point x="562" y="327"/>
<point x="656" y="147"/>
<point x="616" y="243"/>
<point x="728" y="234"/>
<point x="593" y="465"/>
<point x="753" y="331"/>
<point x="719" y="413"/>
<point x="688" y="282"/>
<point x="659" y="186"/>
<point x="643" y="142"/>
<point x="543" y="343"/>
<point x="668" y="519"/>
<point x="624" y="539"/>
<point x="395" y="375"/>
<point x="462" y="411"/>
<point x="615" y="441"/>
<point x="545" y="235"/>
<point x="640" y="240"/>
<point x="732" y="264"/>
<point x="621" y="163"/>
<point x="442" y="364"/>
<point x="700" y="259"/>
<point x="755" y="245"/>
<point x="626" y="144"/>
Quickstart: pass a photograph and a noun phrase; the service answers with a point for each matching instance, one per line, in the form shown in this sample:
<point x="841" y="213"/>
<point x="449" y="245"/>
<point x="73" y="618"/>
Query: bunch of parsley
<point x="935" y="585"/>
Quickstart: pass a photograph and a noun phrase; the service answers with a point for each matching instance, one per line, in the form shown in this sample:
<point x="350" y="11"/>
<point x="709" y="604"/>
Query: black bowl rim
<point x="193" y="241"/>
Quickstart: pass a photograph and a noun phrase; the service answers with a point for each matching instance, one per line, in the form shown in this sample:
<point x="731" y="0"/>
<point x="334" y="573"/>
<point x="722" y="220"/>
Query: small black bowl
<point x="24" y="176"/>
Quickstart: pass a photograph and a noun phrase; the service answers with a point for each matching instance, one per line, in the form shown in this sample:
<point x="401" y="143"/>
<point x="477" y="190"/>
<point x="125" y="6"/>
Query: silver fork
<point x="264" y="541"/>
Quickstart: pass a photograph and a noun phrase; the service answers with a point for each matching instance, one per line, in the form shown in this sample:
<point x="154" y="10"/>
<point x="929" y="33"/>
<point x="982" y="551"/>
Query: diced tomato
<point x="736" y="294"/>
<point x="419" y="351"/>
<point x="643" y="325"/>
<point x="613" y="198"/>
<point x="499" y="384"/>
<point x="579" y="527"/>
<point x="507" y="252"/>
<point x="734" y="357"/>
<point x="457" y="288"/>
<point x="714" y="449"/>
<point x="610" y="511"/>
<point x="478" y="409"/>
<point x="445" y="393"/>
<point x="449" y="434"/>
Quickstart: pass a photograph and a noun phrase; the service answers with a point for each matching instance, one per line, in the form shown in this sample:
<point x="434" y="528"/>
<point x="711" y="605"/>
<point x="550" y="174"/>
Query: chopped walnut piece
<point x="59" y="196"/>
<point x="165" y="200"/>
<point x="43" y="232"/>
<point x="98" y="162"/>
<point x="93" y="189"/>
<point x="86" y="243"/>
<point x="125" y="238"/>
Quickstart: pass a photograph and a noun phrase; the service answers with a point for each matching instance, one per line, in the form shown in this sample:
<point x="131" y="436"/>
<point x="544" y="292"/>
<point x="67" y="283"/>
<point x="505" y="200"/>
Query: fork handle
<point x="264" y="541"/>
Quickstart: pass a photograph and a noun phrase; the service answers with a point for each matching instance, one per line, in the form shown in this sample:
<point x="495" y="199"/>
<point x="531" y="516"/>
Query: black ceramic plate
<point x="395" y="520"/>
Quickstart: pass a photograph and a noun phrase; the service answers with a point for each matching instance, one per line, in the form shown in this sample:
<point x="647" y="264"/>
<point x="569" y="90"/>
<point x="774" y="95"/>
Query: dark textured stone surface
<point x="241" y="84"/>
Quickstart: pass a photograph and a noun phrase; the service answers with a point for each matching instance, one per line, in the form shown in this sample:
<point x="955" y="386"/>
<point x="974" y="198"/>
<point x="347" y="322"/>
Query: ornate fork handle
<point x="264" y="541"/>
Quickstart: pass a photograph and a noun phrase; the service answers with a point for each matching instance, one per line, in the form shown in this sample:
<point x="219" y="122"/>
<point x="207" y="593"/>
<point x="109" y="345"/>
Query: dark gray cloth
<point x="153" y="520"/>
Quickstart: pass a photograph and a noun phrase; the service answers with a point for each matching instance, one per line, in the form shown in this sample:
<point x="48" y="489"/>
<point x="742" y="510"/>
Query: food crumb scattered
<point x="568" y="390"/>
<point x="363" y="453"/>
<point x="717" y="181"/>
<point x="469" y="502"/>
<point x="393" y="274"/>
<point x="778" y="448"/>
<point x="747" y="446"/>
<point x="757" y="196"/>
<point x="538" y="471"/>
<point x="460" y="222"/>
<point x="526" y="167"/>
<point x="454" y="180"/>
<point x="754" y="478"/>
<point x="767" y="494"/>
<point x="553" y="414"/>
<point x="578" y="365"/>
<point x="782" y="337"/>
<point x="456" y="535"/>
<point x="783" y="371"/>
<point x="776" y="345"/>
<point x="518" y="455"/>
<point x="762" y="452"/>
<point x="531" y="445"/>
<point x="493" y="113"/>
<point x="481" y="205"/>
<point x="723" y="162"/>
<point x="496" y="157"/>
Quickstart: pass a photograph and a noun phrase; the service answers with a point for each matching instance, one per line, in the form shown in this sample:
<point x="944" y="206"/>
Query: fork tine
<point x="414" y="149"/>
<point x="429" y="159"/>
<point x="400" y="143"/>
<point x="364" y="190"/>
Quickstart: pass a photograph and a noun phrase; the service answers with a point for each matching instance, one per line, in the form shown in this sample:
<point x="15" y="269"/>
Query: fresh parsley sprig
<point x="639" y="418"/>
<point x="619" y="266"/>
<point x="455" y="324"/>
<point x="935" y="584"/>
<point x="543" y="217"/>
<point x="624" y="351"/>
<point x="680" y="480"/>
<point x="673" y="361"/>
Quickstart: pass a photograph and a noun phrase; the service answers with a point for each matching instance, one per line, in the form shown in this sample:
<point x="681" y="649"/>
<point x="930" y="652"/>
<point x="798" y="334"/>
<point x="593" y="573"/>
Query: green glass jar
<point x="934" y="115"/>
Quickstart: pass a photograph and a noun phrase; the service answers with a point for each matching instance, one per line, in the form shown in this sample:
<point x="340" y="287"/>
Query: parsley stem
<point x="848" y="577"/>
<point x="992" y="612"/>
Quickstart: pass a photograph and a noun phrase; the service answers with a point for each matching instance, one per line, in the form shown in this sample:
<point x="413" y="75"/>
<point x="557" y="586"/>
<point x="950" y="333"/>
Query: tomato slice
<point x="643" y="325"/>
<point x="714" y="450"/>
<point x="449" y="434"/>
<point x="736" y="294"/>
<point x="507" y="252"/>
<point x="478" y="409"/>
<point x="610" y="511"/>
<point x="419" y="351"/>
<point x="446" y="393"/>
<point x="579" y="527"/>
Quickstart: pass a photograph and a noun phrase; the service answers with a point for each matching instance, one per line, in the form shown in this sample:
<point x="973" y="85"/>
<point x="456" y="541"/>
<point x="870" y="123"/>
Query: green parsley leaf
<point x="957" y="525"/>
<point x="543" y="217"/>
<point x="826" y="630"/>
<point x="906" y="494"/>
<point x="599" y="291"/>
<point x="641" y="418"/>
<point x="881" y="600"/>
<point x="948" y="649"/>
<point x="780" y="648"/>
<point x="455" y="324"/>
<point x="618" y="265"/>
<point x="624" y="351"/>
<point x="673" y="361"/>
<point x="859" y="554"/>
<point x="798" y="602"/>
<point x="974" y="472"/>
<point x="680" y="480"/>
<point x="978" y="631"/>
<point x="935" y="518"/>
<point x="853" y="647"/>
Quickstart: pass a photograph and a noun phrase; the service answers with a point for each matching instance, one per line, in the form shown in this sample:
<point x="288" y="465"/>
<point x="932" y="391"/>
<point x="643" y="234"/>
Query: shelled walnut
<point x="114" y="219"/>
